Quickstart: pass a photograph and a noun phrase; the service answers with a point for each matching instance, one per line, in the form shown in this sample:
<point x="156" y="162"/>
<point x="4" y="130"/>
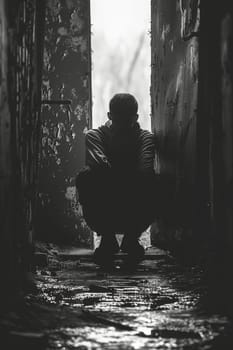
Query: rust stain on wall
<point x="66" y="76"/>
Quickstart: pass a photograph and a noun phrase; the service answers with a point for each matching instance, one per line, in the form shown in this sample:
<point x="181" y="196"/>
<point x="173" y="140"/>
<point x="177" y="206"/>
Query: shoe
<point x="133" y="248"/>
<point x="104" y="254"/>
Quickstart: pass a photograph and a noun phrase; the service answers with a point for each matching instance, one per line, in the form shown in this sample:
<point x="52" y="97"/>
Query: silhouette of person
<point x="116" y="188"/>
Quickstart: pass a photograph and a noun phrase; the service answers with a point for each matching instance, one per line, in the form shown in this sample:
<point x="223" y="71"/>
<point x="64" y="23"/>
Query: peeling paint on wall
<point x="66" y="76"/>
<point x="190" y="18"/>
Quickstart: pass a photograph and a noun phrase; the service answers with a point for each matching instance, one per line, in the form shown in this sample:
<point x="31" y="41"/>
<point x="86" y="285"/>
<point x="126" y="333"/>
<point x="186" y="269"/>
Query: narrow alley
<point x="158" y="76"/>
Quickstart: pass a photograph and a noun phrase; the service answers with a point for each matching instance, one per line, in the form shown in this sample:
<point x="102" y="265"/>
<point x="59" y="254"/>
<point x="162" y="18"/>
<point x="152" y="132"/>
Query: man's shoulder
<point x="93" y="132"/>
<point x="143" y="133"/>
<point x="97" y="133"/>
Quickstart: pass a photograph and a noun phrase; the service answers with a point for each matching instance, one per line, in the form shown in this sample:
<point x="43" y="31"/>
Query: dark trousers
<point x="117" y="202"/>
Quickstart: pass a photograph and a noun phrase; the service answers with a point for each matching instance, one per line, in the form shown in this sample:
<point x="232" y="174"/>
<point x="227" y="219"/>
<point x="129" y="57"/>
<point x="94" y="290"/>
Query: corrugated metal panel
<point x="6" y="204"/>
<point x="24" y="105"/>
<point x="66" y="76"/>
<point x="20" y="114"/>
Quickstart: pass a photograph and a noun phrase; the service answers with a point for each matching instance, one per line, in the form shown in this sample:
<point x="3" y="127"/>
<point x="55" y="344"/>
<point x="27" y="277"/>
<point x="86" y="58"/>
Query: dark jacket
<point x="131" y="149"/>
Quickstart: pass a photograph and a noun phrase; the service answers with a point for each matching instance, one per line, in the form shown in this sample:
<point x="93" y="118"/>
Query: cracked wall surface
<point x="66" y="76"/>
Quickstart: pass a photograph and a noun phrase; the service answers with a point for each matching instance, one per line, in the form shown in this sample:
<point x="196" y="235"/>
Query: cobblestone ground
<point x="157" y="306"/>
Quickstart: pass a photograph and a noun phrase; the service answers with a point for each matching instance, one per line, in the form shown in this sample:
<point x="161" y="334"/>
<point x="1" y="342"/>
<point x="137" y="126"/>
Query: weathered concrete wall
<point x="217" y="92"/>
<point x="192" y="113"/>
<point x="215" y="132"/>
<point x="224" y="182"/>
<point x="20" y="111"/>
<point x="226" y="52"/>
<point x="66" y="76"/>
<point x="6" y="205"/>
<point x="175" y="26"/>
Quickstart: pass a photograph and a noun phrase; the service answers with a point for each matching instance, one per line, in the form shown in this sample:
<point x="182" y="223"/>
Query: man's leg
<point x="94" y="188"/>
<point x="140" y="214"/>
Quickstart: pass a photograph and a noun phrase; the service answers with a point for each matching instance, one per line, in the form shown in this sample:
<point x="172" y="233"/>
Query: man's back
<point x="123" y="149"/>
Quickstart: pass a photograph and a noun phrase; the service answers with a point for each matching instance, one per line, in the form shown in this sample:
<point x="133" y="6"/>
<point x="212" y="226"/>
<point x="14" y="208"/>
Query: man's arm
<point x="146" y="153"/>
<point x="95" y="153"/>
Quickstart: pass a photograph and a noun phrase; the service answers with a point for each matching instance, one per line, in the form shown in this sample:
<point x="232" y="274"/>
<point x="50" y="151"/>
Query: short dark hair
<point x="124" y="105"/>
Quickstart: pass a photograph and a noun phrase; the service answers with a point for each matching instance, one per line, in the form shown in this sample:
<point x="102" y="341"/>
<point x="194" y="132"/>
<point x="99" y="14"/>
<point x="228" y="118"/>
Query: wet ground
<point x="160" y="305"/>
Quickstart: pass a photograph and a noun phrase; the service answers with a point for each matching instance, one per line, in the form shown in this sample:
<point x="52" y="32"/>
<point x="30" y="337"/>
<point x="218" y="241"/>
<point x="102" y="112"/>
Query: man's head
<point x="123" y="109"/>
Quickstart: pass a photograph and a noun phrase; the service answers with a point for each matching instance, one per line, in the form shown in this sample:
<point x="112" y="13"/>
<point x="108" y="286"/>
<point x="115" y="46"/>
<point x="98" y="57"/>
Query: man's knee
<point x="82" y="183"/>
<point x="82" y="177"/>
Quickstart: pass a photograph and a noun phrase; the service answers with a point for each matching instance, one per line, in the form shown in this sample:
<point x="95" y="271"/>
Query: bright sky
<point x="118" y="18"/>
<point x="116" y="27"/>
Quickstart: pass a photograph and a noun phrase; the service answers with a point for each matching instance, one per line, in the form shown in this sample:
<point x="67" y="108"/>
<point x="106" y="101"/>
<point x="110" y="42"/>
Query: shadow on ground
<point x="159" y="305"/>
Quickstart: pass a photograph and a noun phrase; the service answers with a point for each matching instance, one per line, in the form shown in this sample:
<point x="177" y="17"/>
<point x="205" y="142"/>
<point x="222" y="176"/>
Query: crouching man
<point x="116" y="188"/>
